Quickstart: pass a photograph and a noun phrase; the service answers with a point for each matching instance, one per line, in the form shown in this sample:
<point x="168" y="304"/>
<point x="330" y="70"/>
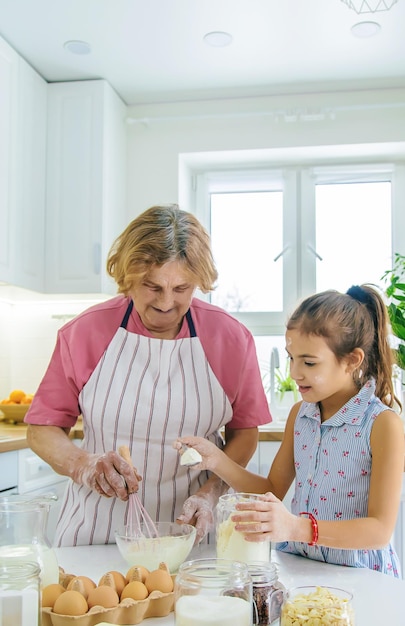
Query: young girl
<point x="343" y="443"/>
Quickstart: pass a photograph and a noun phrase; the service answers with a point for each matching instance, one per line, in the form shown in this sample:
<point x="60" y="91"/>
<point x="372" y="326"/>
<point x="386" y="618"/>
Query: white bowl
<point x="172" y="546"/>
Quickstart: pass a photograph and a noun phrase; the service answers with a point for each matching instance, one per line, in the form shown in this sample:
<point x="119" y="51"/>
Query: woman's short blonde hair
<point x="159" y="235"/>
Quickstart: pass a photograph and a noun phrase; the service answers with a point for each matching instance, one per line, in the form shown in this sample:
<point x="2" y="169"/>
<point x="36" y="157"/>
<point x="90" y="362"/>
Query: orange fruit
<point x="27" y="399"/>
<point x="17" y="395"/>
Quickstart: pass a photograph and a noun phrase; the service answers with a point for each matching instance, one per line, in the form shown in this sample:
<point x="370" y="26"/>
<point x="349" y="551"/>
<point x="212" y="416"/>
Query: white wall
<point x="28" y="330"/>
<point x="265" y="129"/>
<point x="167" y="142"/>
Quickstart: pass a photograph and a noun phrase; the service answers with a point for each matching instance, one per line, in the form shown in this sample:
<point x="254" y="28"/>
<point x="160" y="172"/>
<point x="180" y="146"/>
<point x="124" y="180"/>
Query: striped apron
<point x="144" y="392"/>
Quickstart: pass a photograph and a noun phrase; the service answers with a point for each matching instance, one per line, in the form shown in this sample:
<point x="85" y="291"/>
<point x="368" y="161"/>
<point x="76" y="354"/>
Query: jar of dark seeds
<point x="268" y="593"/>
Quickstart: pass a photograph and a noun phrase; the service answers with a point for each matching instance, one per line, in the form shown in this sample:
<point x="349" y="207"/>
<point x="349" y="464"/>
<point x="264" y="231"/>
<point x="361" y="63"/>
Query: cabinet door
<point x="267" y="452"/>
<point x="84" y="186"/>
<point x="22" y="171"/>
<point x="29" y="230"/>
<point x="8" y="125"/>
<point x="253" y="465"/>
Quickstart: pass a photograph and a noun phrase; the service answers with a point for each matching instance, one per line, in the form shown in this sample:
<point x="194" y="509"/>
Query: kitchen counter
<point x="377" y="598"/>
<point x="13" y="436"/>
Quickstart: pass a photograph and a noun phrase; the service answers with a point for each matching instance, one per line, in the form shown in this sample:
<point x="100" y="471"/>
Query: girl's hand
<point x="210" y="453"/>
<point x="265" y="519"/>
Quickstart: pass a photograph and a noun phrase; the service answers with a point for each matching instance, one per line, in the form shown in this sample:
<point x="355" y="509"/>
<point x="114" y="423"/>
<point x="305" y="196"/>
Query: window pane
<point x="353" y="234"/>
<point x="246" y="235"/>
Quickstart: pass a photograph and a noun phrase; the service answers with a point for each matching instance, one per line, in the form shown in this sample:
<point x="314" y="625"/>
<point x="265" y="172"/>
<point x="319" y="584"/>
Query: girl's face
<point x="163" y="298"/>
<point x="319" y="375"/>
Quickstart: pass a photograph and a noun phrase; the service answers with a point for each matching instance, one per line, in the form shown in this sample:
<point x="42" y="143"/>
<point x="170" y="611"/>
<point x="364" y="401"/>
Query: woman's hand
<point x="108" y="474"/>
<point x="211" y="454"/>
<point x="198" y="510"/>
<point x="265" y="519"/>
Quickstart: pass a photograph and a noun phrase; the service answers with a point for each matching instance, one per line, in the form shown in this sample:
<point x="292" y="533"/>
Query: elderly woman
<point x="144" y="368"/>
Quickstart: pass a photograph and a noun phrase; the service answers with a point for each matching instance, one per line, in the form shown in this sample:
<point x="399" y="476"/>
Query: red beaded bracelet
<point x="315" y="530"/>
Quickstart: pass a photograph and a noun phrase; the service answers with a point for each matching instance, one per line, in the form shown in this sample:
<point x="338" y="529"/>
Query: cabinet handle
<point x="96" y="258"/>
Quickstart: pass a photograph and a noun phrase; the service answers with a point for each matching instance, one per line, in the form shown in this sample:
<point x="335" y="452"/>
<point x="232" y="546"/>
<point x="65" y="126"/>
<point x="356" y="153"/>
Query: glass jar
<point x="231" y="543"/>
<point x="268" y="593"/>
<point x="327" y="605"/>
<point x="19" y="594"/>
<point x="23" y="535"/>
<point x="208" y="592"/>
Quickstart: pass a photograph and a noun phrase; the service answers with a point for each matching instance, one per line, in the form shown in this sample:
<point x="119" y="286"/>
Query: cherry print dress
<point x="333" y="470"/>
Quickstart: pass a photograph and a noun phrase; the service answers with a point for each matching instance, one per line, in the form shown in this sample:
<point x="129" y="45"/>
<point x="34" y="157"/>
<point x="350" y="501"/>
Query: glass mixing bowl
<point x="172" y="546"/>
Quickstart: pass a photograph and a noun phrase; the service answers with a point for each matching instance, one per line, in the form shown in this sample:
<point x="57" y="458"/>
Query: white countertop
<point x="378" y="599"/>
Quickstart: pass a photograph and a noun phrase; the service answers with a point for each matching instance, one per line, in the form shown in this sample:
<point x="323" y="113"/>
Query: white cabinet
<point x="86" y="184"/>
<point x="8" y="472"/>
<point x="29" y="227"/>
<point x="22" y="171"/>
<point x="8" y="103"/>
<point x="267" y="452"/>
<point x="62" y="179"/>
<point x="37" y="479"/>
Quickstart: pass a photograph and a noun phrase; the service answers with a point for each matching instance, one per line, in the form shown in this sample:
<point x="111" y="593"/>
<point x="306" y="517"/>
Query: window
<point x="240" y="227"/>
<point x="279" y="235"/>
<point x="354" y="245"/>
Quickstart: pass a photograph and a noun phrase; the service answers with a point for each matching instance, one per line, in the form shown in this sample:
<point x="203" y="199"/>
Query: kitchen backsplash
<point x="28" y="331"/>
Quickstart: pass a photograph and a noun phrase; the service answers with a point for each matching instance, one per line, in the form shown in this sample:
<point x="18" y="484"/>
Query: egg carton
<point x="129" y="611"/>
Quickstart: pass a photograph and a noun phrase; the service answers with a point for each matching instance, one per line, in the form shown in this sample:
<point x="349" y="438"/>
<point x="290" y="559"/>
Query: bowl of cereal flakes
<point x="314" y="605"/>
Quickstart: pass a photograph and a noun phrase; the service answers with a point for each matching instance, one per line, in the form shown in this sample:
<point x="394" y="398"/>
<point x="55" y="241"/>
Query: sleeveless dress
<point x="333" y="471"/>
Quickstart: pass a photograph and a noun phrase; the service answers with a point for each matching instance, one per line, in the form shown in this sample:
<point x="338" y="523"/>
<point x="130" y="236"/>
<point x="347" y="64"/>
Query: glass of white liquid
<point x="231" y="543"/>
<point x="208" y="592"/>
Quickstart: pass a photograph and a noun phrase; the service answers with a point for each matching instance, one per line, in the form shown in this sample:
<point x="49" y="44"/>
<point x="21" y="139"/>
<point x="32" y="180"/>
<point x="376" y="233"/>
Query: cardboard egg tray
<point x="129" y="611"/>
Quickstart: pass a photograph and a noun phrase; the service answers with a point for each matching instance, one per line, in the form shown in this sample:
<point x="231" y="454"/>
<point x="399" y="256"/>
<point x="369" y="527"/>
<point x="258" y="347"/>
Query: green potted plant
<point x="285" y="384"/>
<point x="395" y="291"/>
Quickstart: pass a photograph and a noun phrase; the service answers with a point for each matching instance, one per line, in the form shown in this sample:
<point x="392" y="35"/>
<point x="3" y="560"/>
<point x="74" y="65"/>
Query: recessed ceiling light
<point x="365" y="29"/>
<point x="77" y="47"/>
<point x="218" y="39"/>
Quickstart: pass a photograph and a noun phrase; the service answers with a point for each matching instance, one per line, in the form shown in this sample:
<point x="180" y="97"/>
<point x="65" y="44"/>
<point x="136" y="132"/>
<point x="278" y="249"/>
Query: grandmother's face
<point x="163" y="298"/>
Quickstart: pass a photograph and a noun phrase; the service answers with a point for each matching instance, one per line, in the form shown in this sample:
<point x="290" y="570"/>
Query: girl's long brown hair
<point x="359" y="320"/>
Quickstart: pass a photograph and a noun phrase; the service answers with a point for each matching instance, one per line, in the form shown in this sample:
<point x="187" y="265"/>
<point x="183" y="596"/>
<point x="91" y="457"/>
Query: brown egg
<point x="65" y="579"/>
<point x="70" y="602"/>
<point x="103" y="596"/>
<point x="135" y="590"/>
<point x="159" y="580"/>
<point x="137" y="572"/>
<point x="83" y="584"/>
<point x="118" y="578"/>
<point x="50" y="593"/>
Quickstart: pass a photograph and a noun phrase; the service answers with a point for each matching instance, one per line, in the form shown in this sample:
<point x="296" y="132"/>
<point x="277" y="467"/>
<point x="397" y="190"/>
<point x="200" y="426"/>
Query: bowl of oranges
<point x="15" y="406"/>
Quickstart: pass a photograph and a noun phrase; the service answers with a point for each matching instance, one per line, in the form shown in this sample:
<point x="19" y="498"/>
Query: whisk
<point x="139" y="522"/>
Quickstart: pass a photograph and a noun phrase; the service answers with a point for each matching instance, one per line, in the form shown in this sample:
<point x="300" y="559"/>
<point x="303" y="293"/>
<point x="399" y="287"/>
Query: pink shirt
<point x="228" y="345"/>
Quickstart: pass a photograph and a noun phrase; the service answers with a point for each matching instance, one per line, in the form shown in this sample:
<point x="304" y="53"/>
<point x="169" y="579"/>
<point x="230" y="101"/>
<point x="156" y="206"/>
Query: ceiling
<point x="153" y="50"/>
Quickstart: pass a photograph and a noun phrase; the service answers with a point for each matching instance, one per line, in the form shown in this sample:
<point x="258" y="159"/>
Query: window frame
<point x="298" y="183"/>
